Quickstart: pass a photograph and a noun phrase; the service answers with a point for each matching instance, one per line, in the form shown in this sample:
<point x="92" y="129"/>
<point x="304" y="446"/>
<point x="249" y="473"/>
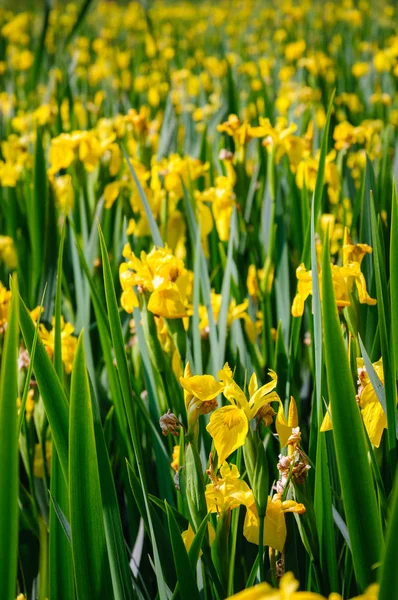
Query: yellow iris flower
<point x="288" y="591"/>
<point x="228" y="491"/>
<point x="160" y="273"/>
<point x="344" y="278"/>
<point x="274" y="521"/>
<point x="199" y="389"/>
<point x="229" y="425"/>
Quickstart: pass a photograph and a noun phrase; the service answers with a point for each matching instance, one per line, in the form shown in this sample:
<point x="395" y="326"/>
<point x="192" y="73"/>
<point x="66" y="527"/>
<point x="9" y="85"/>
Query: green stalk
<point x="43" y="560"/>
<point x="261" y="546"/>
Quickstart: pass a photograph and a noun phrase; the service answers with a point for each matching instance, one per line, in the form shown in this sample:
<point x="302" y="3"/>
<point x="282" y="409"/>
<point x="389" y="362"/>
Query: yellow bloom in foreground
<point x="228" y="491"/>
<point x="288" y="591"/>
<point x="274" y="522"/>
<point x="229" y="425"/>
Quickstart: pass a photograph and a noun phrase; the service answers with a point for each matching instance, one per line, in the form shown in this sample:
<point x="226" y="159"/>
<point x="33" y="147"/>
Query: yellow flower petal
<point x="188" y="536"/>
<point x="129" y="300"/>
<point x="234" y="394"/>
<point x="373" y="415"/>
<point x="327" y="424"/>
<point x="263" y="394"/>
<point x="274" y="525"/>
<point x="203" y="387"/>
<point x="292" y="418"/>
<point x="253" y="385"/>
<point x="111" y="192"/>
<point x="167" y="303"/>
<point x="258" y="592"/>
<point x="228" y="427"/>
<point x="283" y="430"/>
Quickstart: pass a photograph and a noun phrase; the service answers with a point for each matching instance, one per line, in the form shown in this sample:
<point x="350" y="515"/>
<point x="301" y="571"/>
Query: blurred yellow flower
<point x="160" y="273"/>
<point x="68" y="342"/>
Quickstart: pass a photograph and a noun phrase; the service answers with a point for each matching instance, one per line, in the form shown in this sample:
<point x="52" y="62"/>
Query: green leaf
<point x="374" y="378"/>
<point x="90" y="558"/>
<point x="124" y="379"/>
<point x="37" y="211"/>
<point x="185" y="573"/>
<point x="222" y="321"/>
<point x="394" y="275"/>
<point x="54" y="398"/>
<point x="322" y="493"/>
<point x="359" y="498"/>
<point x="61" y="518"/>
<point x="168" y="131"/>
<point x="40" y="48"/>
<point x="388" y="578"/>
<point x="156" y="237"/>
<point x="9" y="452"/>
<point x="117" y="554"/>
<point x="383" y="311"/>
<point x="195" y="490"/>
<point x="61" y="579"/>
<point x="203" y="275"/>
<point x="29" y="371"/>
<point x="80" y="20"/>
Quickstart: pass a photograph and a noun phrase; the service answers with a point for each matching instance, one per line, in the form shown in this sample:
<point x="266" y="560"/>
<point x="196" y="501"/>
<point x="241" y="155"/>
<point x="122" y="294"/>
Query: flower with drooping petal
<point x="344" y="277"/>
<point x="199" y="390"/>
<point x="229" y="425"/>
<point x="274" y="521"/>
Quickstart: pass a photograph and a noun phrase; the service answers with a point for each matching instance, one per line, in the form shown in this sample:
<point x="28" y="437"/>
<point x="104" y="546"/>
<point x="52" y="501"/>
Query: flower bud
<point x="169" y="423"/>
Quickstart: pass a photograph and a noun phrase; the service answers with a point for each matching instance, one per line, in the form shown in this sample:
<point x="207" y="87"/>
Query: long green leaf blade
<point x="358" y="492"/>
<point x="54" y="398"/>
<point x="9" y="452"/>
<point x="90" y="558"/>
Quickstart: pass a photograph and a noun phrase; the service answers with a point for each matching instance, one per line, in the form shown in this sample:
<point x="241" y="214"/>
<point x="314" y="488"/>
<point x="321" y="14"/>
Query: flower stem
<point x="261" y="547"/>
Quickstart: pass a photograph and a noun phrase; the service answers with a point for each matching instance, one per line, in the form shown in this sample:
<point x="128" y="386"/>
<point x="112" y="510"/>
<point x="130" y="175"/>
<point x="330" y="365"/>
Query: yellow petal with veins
<point x="228" y="427"/>
<point x="203" y="387"/>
